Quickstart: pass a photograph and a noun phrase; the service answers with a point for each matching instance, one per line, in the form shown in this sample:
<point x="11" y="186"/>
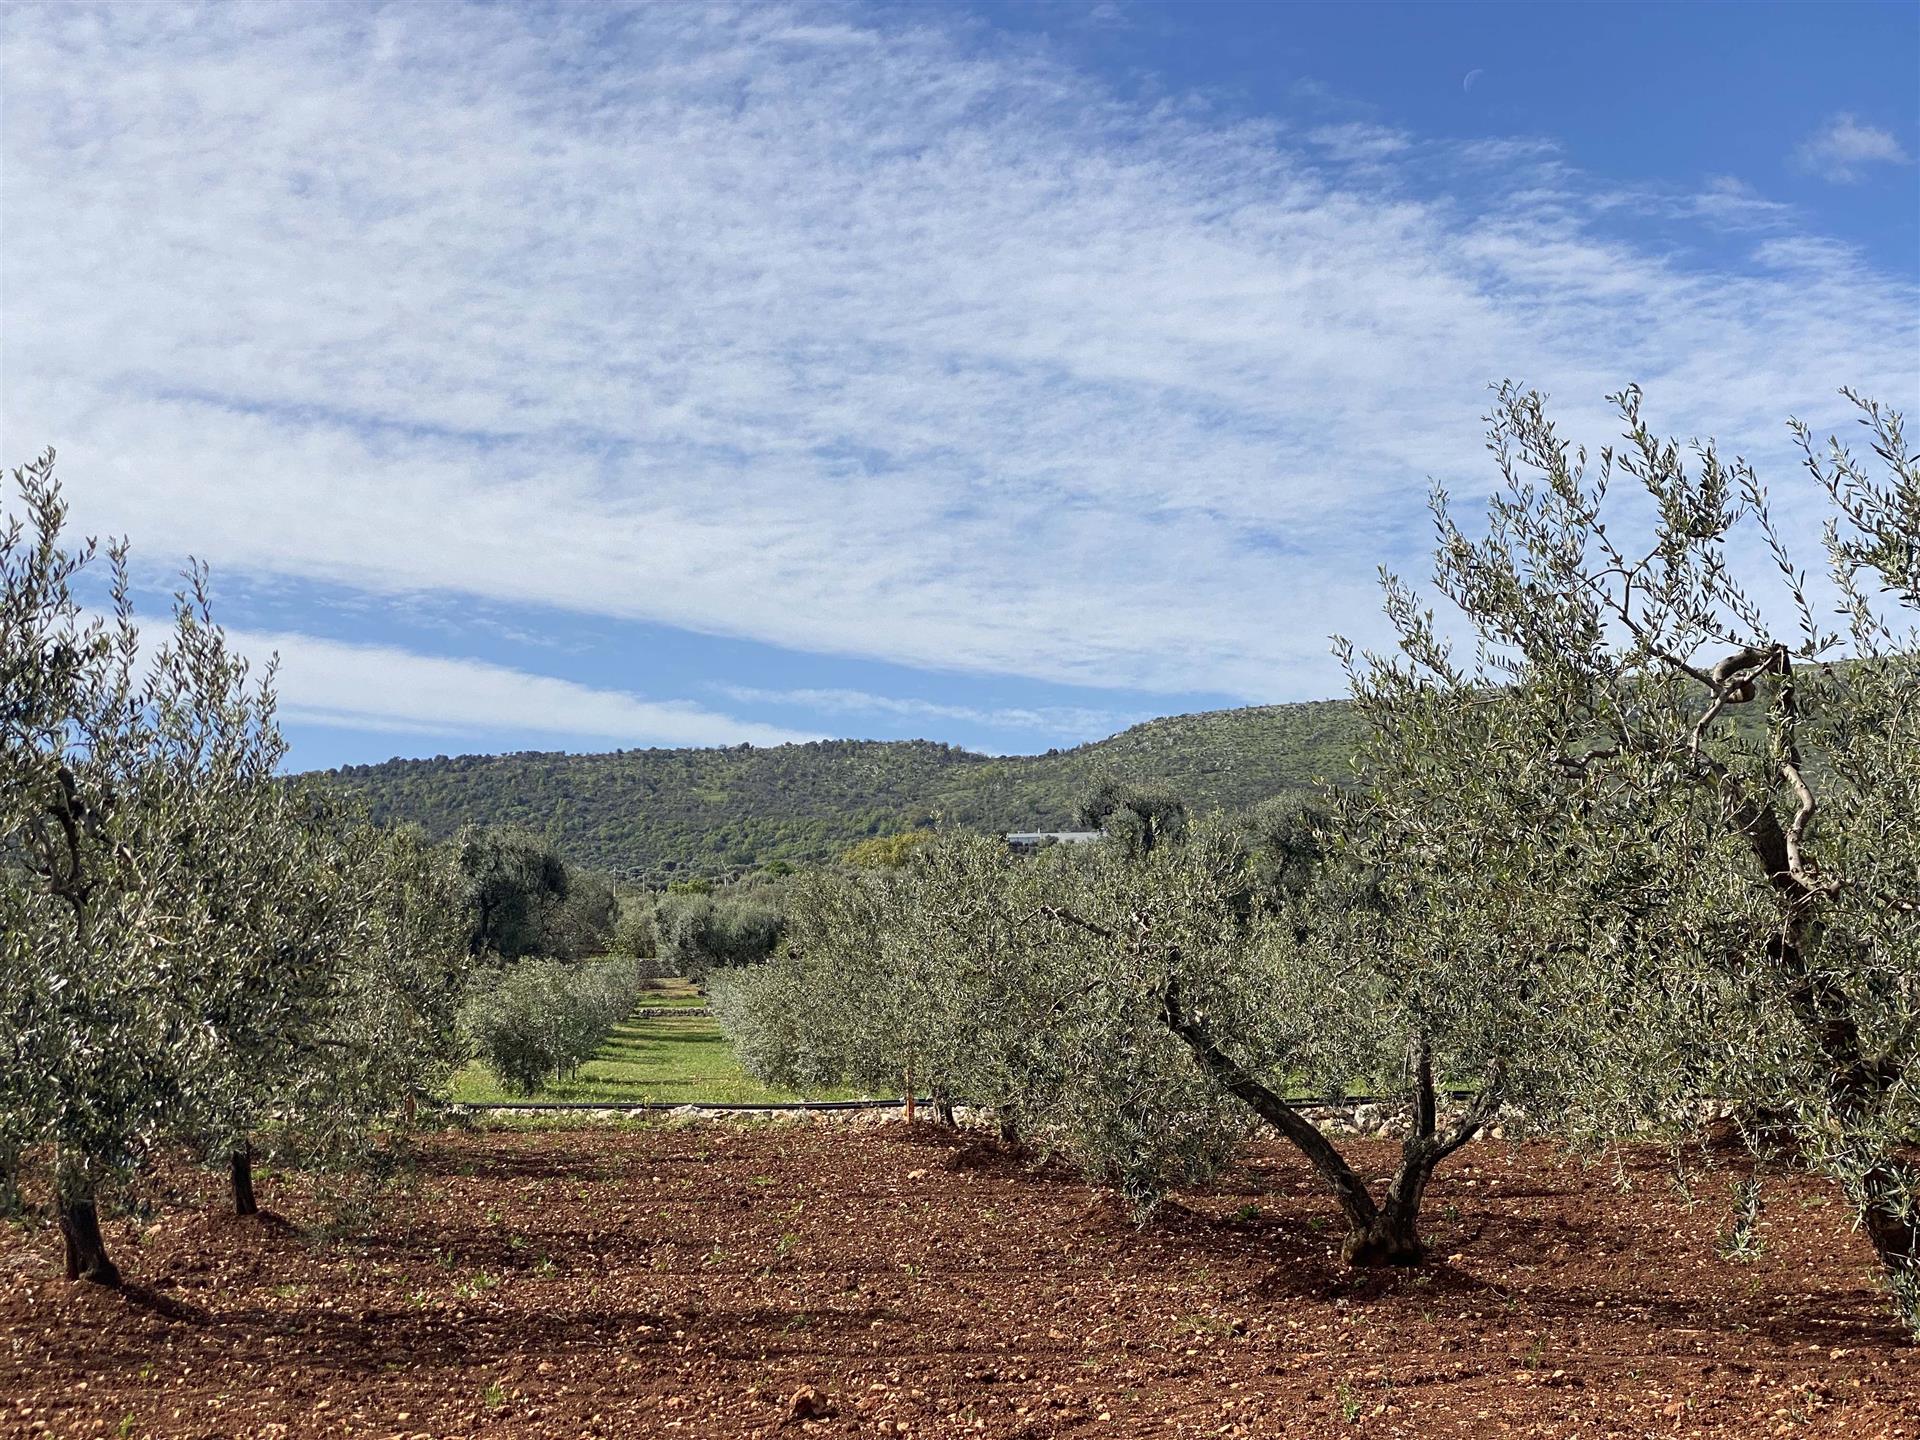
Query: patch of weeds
<point x="546" y="1269"/>
<point x="1246" y="1214"/>
<point x="476" y="1285"/>
<point x="799" y="1322"/>
<point x="289" y="1292"/>
<point x="1212" y="1325"/>
<point x="762" y="1181"/>
<point x="784" y="1246"/>
<point x="1349" y="1403"/>
<point x="494" y="1397"/>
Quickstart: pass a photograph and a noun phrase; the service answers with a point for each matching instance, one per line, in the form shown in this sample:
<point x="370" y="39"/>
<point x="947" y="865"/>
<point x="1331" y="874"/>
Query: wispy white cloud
<point x="1845" y="148"/>
<point x="1052" y="719"/>
<point x="1359" y="142"/>
<point x="1731" y="201"/>
<point x="861" y="337"/>
<point x="390" y="690"/>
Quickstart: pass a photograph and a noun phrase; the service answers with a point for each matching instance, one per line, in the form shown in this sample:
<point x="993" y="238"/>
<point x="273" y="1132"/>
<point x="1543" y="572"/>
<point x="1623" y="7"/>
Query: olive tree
<point x="1400" y="949"/>
<point x="392" y="1038"/>
<point x="1138" y="816"/>
<point x="234" y="861"/>
<point x="193" y="949"/>
<point x="102" y="1034"/>
<point x="1747" y="736"/>
<point x="699" y="934"/>
<point x="513" y="880"/>
<point x="948" y="970"/>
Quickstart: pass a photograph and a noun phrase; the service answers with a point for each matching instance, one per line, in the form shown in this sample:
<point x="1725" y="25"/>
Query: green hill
<point x="716" y="811"/>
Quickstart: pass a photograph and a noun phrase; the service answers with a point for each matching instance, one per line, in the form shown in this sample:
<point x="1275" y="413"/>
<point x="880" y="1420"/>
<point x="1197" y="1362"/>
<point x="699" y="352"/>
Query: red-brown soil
<point x="730" y="1281"/>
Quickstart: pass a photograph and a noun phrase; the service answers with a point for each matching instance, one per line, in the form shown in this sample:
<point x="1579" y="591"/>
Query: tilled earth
<point x="724" y="1280"/>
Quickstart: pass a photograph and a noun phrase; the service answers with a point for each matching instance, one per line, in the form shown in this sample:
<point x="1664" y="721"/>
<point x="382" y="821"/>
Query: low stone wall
<point x="1378" y="1119"/>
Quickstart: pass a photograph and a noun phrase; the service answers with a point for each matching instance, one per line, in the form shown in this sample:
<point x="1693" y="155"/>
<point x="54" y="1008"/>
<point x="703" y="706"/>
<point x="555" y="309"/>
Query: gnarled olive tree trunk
<point x="87" y="1257"/>
<point x="1858" y="1082"/>
<point x="1383" y="1232"/>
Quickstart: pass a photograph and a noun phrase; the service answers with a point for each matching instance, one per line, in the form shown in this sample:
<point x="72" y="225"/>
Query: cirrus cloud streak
<point x="860" y="335"/>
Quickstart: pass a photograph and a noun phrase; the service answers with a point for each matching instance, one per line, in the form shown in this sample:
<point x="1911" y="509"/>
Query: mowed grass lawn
<point x="680" y="1059"/>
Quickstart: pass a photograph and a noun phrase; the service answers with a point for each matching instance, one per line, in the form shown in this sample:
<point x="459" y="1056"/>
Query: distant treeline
<point x="721" y="811"/>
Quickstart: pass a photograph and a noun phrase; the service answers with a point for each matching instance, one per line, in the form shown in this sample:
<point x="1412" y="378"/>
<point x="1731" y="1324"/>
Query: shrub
<point x="540" y="1020"/>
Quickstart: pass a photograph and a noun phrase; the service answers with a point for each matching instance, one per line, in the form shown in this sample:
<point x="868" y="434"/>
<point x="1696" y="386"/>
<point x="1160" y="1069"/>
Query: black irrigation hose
<point x="682" y="1105"/>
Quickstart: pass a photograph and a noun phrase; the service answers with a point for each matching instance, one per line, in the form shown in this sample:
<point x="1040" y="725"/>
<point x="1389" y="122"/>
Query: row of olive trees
<point x="191" y="952"/>
<point x="1140" y="1005"/>
<point x="1638" y="854"/>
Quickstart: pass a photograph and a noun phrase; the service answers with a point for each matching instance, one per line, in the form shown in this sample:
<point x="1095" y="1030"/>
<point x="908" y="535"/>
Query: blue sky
<point x="586" y="378"/>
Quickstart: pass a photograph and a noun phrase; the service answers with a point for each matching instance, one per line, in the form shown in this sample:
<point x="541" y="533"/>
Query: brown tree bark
<point x="1378" y="1233"/>
<point x="240" y="1162"/>
<point x="1857" y="1081"/>
<point x="87" y="1257"/>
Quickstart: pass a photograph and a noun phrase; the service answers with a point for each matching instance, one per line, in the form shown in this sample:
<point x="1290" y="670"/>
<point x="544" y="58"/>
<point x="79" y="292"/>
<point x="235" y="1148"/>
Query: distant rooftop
<point x="1034" y="839"/>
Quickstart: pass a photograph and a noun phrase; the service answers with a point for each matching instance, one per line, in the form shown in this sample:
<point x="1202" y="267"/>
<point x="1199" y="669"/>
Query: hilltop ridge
<point x="713" y="811"/>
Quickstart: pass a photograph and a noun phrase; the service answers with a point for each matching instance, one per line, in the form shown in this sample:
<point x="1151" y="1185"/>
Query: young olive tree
<point x="103" y="1039"/>
<point x="541" y="1020"/>
<point x="1403" y="951"/>
<point x="262" y="974"/>
<point x="1759" y="764"/>
<point x="194" y="951"/>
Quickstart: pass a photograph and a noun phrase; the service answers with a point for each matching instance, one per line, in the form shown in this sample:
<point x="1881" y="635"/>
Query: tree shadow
<point x="156" y="1302"/>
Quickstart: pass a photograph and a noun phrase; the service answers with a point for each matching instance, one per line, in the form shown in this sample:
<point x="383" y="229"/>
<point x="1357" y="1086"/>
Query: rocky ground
<point x="793" y="1279"/>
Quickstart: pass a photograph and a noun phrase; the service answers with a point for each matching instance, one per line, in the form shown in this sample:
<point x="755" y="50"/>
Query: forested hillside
<point x="710" y="811"/>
